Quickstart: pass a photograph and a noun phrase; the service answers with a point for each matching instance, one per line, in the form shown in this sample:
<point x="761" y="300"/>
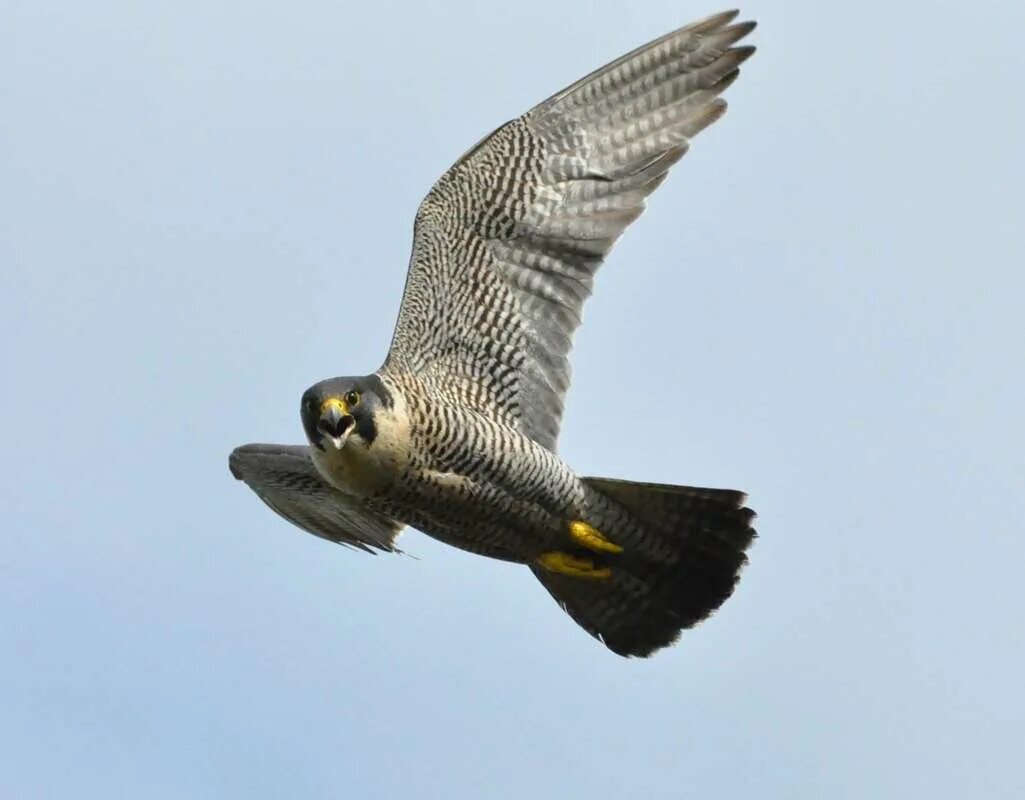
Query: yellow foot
<point x="565" y="564"/>
<point x="591" y="538"/>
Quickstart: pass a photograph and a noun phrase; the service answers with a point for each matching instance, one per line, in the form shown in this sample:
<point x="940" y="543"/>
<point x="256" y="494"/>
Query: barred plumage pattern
<point x="477" y="483"/>
<point x="507" y="243"/>
<point x="506" y="247"/>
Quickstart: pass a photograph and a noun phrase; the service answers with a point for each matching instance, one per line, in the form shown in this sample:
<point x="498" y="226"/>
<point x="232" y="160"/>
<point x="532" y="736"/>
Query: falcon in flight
<point x="456" y="433"/>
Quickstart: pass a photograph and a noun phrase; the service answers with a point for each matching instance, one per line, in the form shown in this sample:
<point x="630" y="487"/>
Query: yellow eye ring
<point x="352" y="399"/>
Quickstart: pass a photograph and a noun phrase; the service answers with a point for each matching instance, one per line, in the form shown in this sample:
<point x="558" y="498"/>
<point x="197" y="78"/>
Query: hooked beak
<point x="335" y="421"/>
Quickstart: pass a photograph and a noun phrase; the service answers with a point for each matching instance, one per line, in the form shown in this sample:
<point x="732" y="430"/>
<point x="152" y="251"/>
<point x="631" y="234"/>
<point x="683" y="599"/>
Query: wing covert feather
<point x="508" y="241"/>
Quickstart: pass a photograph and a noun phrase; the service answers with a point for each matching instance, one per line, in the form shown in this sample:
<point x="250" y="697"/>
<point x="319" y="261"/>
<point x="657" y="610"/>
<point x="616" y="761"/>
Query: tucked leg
<point x="566" y="564"/>
<point x="591" y="538"/>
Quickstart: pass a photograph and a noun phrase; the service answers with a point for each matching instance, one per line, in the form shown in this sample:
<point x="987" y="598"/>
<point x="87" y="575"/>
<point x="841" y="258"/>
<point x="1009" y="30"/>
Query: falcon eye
<point x="352" y="399"/>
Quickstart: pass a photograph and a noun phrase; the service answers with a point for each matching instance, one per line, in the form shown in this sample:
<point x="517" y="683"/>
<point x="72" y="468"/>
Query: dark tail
<point x="646" y="601"/>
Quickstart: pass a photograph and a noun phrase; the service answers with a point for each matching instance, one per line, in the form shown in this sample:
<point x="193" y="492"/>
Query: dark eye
<point x="352" y="399"/>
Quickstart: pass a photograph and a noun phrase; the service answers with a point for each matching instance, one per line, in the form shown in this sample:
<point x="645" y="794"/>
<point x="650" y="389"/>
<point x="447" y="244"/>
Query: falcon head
<point x="340" y="410"/>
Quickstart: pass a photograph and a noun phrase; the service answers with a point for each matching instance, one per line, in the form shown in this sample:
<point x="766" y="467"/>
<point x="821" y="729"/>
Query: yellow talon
<point x="565" y="564"/>
<point x="591" y="538"/>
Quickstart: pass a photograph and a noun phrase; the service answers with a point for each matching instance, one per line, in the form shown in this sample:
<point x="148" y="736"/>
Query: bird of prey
<point x="456" y="433"/>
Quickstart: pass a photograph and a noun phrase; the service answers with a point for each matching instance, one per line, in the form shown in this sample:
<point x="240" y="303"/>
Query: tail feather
<point x="645" y="603"/>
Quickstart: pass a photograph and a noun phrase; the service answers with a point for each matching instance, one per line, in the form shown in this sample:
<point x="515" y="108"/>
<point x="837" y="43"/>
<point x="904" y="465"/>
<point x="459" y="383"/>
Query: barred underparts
<point x="456" y="433"/>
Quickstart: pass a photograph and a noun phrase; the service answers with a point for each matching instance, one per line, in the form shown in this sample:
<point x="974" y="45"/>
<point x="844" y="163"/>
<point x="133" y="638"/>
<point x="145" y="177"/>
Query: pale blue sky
<point x="207" y="206"/>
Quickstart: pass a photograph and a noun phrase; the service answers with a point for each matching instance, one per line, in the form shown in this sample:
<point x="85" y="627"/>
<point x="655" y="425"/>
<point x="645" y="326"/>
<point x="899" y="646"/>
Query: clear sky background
<point x="206" y="207"/>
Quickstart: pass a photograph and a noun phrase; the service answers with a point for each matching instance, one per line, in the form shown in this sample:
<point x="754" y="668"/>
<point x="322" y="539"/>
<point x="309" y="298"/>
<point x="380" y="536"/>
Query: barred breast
<point x="478" y="484"/>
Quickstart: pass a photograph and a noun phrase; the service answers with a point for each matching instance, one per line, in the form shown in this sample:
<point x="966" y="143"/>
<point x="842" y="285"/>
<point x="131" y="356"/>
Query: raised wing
<point x="284" y="477"/>
<point x="508" y="241"/>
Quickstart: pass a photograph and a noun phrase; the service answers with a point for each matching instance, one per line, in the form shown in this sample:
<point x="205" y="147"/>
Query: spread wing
<point x="508" y="241"/>
<point x="285" y="479"/>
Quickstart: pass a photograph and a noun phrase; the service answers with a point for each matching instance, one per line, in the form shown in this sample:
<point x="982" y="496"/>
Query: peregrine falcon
<point x="456" y="433"/>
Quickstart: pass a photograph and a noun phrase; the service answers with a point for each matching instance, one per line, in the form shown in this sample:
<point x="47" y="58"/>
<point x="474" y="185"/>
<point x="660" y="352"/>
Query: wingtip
<point x="743" y="52"/>
<point x="724" y="24"/>
<point x="235" y="464"/>
<point x="714" y="21"/>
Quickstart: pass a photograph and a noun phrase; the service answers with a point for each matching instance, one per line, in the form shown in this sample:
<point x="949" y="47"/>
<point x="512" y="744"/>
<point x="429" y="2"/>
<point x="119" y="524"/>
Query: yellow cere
<point x="335" y="402"/>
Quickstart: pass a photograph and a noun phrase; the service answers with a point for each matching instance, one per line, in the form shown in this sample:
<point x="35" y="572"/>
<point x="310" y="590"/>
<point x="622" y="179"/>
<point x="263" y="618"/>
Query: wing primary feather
<point x="284" y="477"/>
<point x="517" y="229"/>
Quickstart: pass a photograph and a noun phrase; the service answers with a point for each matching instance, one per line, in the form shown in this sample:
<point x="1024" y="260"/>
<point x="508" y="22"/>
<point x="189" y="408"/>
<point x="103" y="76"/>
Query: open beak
<point x="335" y="421"/>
